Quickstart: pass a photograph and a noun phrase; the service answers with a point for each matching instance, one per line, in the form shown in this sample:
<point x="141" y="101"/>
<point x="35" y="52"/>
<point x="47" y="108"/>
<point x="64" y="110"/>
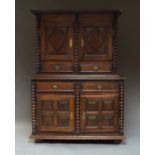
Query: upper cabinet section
<point x="77" y="42"/>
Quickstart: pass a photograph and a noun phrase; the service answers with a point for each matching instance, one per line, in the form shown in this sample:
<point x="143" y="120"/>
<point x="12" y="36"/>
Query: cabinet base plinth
<point x="116" y="139"/>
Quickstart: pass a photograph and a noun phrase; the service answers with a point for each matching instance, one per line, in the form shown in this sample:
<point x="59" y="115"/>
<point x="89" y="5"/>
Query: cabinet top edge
<point x="43" y="12"/>
<point x="77" y="77"/>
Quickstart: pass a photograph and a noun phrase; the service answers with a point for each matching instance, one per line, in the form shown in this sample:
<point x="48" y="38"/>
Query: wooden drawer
<point x="44" y="86"/>
<point x="96" y="67"/>
<point x="100" y="86"/>
<point x="56" y="68"/>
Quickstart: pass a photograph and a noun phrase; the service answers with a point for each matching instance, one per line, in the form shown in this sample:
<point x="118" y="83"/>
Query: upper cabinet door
<point x="96" y="42"/>
<point x="57" y="37"/>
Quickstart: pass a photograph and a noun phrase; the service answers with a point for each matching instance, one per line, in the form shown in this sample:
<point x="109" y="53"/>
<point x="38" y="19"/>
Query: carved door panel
<point x="56" y="37"/>
<point x="99" y="113"/>
<point x="55" y="113"/>
<point x="96" y="43"/>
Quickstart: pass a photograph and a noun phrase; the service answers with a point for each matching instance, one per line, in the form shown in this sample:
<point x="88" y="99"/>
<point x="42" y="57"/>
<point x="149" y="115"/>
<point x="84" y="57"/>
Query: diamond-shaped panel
<point x="57" y="39"/>
<point x="96" y="40"/>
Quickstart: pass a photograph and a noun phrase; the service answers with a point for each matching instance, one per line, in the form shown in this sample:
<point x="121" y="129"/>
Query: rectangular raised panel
<point x="63" y="105"/>
<point x="55" y="113"/>
<point x="108" y="120"/>
<point x="47" y="120"/>
<point x="91" y="105"/>
<point x="92" y="120"/>
<point x="99" y="112"/>
<point x="45" y="86"/>
<point x="63" y="121"/>
<point x="56" y="31"/>
<point x="47" y="105"/>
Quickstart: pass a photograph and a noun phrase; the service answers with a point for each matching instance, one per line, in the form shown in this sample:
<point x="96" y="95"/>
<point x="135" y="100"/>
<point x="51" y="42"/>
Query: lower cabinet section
<point x="77" y="110"/>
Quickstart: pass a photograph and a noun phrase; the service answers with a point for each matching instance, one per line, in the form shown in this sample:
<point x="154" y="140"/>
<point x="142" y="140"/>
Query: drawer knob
<point x="99" y="87"/>
<point x="96" y="68"/>
<point x="55" y="87"/>
<point x="57" y="67"/>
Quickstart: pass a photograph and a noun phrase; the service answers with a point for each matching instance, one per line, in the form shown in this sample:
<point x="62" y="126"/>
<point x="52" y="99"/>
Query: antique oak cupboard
<point x="77" y="93"/>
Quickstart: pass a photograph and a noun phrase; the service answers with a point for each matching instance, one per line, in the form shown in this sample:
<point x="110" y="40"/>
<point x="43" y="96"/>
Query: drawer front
<point x="56" y="68"/>
<point x="96" y="67"/>
<point x="99" y="113"/>
<point x="100" y="86"/>
<point x="44" y="86"/>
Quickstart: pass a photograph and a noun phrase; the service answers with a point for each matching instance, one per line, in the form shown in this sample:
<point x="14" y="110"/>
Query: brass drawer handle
<point x="56" y="67"/>
<point x="55" y="87"/>
<point x="99" y="87"/>
<point x="96" y="68"/>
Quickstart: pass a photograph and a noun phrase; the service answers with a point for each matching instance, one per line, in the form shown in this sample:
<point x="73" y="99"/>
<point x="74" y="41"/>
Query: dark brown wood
<point x="99" y="112"/>
<point x="107" y="86"/>
<point x="115" y="39"/>
<point x="55" y="113"/>
<point x="77" y="137"/>
<point x="33" y="101"/>
<point x="48" y="86"/>
<point x="86" y="77"/>
<point x="56" y="34"/>
<point x="96" y="38"/>
<point x="77" y="42"/>
<point x="117" y="141"/>
<point x="76" y="94"/>
<point x="41" y="12"/>
<point x="38" y="52"/>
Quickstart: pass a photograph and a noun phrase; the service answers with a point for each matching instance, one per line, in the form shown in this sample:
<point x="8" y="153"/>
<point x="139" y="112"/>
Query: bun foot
<point x="117" y="141"/>
<point x="37" y="140"/>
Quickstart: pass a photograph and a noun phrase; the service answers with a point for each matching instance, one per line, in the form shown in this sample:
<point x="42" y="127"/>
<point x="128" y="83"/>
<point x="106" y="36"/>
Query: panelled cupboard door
<point x="96" y="43"/>
<point x="56" y="43"/>
<point x="56" y="37"/>
<point x="99" y="113"/>
<point x="55" y="113"/>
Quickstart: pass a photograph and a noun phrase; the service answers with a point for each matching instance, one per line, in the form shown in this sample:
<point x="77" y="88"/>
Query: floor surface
<point x="25" y="146"/>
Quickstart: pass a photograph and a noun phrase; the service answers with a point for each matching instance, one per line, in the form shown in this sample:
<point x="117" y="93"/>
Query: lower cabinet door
<point x="99" y="113"/>
<point x="55" y="113"/>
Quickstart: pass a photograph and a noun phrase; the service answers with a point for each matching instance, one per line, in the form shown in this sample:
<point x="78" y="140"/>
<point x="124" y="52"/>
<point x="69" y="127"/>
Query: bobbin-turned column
<point x="77" y="103"/>
<point x="34" y="106"/>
